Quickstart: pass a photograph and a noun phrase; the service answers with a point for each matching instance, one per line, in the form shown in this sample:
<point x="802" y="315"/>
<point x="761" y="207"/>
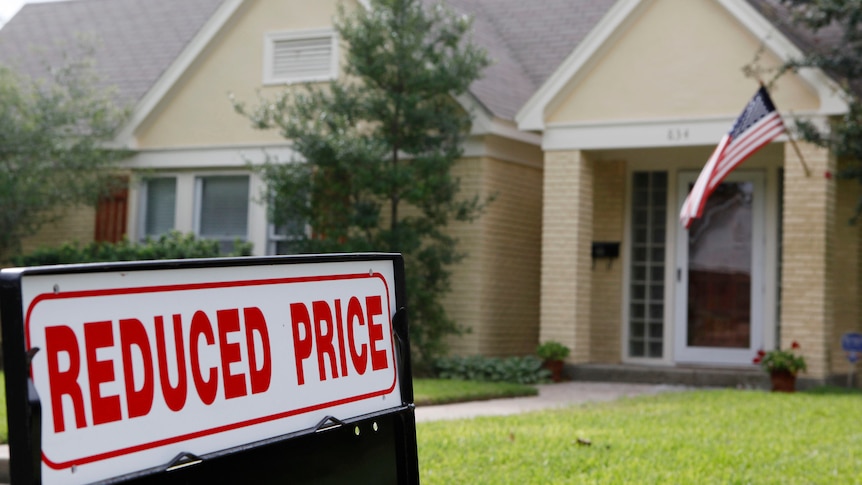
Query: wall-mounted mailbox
<point x="605" y="250"/>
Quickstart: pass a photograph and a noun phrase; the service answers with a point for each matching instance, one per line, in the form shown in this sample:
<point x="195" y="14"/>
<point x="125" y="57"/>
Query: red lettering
<point x="375" y="332"/>
<point x="339" y="329"/>
<point x="323" y="314"/>
<point x="175" y="397"/>
<point x="133" y="333"/>
<point x="302" y="346"/>
<point x="354" y="312"/>
<point x="64" y="383"/>
<point x="234" y="384"/>
<point x="201" y="326"/>
<point x="99" y="335"/>
<point x="255" y="323"/>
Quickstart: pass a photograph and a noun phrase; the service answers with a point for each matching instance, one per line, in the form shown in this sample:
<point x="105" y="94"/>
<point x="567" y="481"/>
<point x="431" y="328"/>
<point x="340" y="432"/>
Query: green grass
<point x="724" y="436"/>
<point x="443" y="391"/>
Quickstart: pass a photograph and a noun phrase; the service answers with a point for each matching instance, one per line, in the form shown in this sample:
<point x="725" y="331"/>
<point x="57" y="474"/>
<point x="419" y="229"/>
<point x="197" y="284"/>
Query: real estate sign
<point x="135" y="367"/>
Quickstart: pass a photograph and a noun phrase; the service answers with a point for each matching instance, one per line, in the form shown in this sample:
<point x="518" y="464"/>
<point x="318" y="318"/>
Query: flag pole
<point x="798" y="152"/>
<point x="789" y="135"/>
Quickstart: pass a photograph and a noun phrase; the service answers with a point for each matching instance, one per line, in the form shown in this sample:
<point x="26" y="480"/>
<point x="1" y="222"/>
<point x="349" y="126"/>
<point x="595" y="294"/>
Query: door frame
<point x="762" y="271"/>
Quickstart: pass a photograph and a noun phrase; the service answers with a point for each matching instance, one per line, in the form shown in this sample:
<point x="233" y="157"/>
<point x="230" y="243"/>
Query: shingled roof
<point x="137" y="40"/>
<point x="132" y="41"/>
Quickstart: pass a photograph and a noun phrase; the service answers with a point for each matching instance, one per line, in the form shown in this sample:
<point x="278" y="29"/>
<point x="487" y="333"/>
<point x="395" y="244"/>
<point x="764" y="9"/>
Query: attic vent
<point x="300" y="56"/>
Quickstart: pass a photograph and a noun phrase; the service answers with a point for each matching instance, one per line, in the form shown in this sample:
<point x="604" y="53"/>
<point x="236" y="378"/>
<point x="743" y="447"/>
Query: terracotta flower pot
<point x="556" y="368"/>
<point x="783" y="381"/>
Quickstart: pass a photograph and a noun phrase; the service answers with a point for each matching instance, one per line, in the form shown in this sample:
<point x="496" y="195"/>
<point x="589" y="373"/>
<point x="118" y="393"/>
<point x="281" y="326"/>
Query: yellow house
<point x="590" y="127"/>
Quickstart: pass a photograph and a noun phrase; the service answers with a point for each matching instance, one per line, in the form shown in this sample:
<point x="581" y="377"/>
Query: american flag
<point x="758" y="124"/>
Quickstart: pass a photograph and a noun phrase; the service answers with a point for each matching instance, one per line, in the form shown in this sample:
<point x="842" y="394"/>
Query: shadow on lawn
<point x="833" y="391"/>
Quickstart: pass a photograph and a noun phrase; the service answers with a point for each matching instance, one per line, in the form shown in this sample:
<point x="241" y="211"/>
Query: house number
<point x="677" y="134"/>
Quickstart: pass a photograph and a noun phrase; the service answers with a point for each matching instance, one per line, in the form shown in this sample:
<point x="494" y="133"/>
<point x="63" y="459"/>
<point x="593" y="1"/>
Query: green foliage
<point x="841" y="59"/>
<point x="445" y="391"/>
<point x="170" y="246"/>
<point x="53" y="134"/>
<point x="376" y="150"/>
<point x="781" y="360"/>
<point x="552" y="350"/>
<point x="522" y="370"/>
<point x="712" y="437"/>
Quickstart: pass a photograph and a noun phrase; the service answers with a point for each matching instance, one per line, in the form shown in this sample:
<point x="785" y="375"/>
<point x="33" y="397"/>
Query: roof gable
<point x="622" y="28"/>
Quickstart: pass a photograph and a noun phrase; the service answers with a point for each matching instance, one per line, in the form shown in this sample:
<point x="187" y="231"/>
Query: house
<point x="590" y="126"/>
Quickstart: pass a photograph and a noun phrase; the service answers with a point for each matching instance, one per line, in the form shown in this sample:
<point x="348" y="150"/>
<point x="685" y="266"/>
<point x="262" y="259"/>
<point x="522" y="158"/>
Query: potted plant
<point x="552" y="354"/>
<point x="782" y="366"/>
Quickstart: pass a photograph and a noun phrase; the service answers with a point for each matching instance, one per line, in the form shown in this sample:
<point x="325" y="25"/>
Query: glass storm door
<point x="719" y="296"/>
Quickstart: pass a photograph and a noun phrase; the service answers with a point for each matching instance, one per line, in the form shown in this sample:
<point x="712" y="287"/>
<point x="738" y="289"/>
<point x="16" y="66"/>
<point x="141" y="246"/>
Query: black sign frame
<point x="376" y="448"/>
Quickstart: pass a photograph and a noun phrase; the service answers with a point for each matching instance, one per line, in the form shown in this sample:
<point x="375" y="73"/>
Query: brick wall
<point x="495" y="290"/>
<point x="846" y="261"/>
<point x="807" y="300"/>
<point x="568" y="225"/>
<point x="609" y="203"/>
<point x="75" y="224"/>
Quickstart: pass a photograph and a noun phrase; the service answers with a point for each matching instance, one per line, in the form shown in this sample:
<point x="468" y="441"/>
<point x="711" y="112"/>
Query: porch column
<point x="807" y="273"/>
<point x="567" y="227"/>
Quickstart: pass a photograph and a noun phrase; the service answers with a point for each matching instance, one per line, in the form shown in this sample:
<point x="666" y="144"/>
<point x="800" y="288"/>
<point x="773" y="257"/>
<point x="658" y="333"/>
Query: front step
<point x="746" y="378"/>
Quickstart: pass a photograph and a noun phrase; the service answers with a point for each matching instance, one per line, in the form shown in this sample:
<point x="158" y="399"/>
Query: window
<point x="159" y="202"/>
<point x="281" y="237"/>
<point x="646" y="297"/>
<point x="222" y="213"/>
<point x="300" y="56"/>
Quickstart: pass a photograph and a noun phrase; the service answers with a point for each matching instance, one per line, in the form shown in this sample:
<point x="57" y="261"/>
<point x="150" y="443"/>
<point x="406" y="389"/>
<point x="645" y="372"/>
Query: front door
<point x="720" y="271"/>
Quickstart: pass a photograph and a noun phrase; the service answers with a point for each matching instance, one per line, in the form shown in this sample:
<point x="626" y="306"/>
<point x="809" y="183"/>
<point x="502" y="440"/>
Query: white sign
<point x="136" y="367"/>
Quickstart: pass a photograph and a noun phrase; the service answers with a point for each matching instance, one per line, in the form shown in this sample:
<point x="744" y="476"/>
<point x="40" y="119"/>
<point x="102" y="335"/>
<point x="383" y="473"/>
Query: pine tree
<point x="378" y="146"/>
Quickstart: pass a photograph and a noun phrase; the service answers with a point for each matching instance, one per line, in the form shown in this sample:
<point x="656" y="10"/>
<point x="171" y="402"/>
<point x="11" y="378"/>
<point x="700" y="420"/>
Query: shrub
<point x="522" y="370"/>
<point x="552" y="350"/>
<point x="174" y="245"/>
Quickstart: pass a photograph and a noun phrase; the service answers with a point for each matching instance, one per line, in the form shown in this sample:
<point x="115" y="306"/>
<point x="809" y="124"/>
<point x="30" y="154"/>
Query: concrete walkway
<point x="550" y="396"/>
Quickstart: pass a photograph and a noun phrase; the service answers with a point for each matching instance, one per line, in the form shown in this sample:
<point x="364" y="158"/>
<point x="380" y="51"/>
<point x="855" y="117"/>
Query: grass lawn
<point x="723" y="436"/>
<point x="443" y="391"/>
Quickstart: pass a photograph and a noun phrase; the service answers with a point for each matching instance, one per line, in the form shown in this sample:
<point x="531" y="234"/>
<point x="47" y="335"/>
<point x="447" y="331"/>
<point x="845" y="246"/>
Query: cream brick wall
<point x="496" y="288"/>
<point x="463" y="302"/>
<point x="75" y="224"/>
<point x="847" y="264"/>
<point x="807" y="300"/>
<point x="568" y="226"/>
<point x="609" y="202"/>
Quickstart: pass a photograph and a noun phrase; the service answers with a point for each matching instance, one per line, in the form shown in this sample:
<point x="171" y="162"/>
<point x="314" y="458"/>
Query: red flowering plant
<point x="781" y="360"/>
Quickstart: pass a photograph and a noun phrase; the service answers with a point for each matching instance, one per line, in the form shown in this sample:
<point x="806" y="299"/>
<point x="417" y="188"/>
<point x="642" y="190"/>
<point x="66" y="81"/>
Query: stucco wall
<point x="678" y="59"/>
<point x="197" y="111"/>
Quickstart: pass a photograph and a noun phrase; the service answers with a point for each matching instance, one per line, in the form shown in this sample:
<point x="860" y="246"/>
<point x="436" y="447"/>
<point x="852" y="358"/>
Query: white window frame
<point x="271" y="38"/>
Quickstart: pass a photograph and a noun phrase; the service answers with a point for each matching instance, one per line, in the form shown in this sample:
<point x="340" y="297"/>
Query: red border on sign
<point x="226" y="427"/>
